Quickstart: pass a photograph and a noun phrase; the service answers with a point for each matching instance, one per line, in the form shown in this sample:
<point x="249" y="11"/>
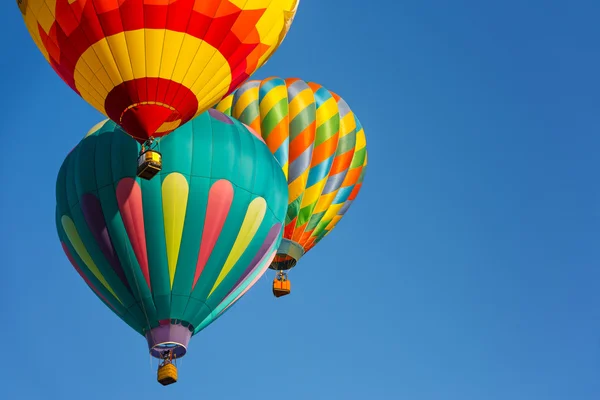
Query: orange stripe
<point x="255" y="124"/>
<point x="278" y="135"/>
<point x="302" y="142"/>
<point x="314" y="86"/>
<point x="355" y="191"/>
<point x="311" y="242"/>
<point x="325" y="150"/>
<point x="298" y="233"/>
<point x="305" y="237"/>
<point x="341" y="162"/>
<point x="335" y="96"/>
<point x="290" y="81"/>
<point x="352" y="177"/>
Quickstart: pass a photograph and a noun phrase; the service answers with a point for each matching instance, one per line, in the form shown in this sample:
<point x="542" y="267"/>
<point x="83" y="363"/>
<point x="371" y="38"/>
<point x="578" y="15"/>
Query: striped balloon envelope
<point x="152" y="65"/>
<point x="170" y="255"/>
<point x="321" y="146"/>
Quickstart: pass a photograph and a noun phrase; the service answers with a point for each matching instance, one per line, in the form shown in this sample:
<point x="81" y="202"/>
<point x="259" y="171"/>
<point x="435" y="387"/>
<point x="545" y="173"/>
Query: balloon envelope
<point x="152" y="65"/>
<point x="321" y="146"/>
<point x="170" y="255"/>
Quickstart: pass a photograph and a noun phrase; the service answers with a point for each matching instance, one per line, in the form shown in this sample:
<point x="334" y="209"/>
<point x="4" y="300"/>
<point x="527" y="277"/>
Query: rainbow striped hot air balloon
<point x="152" y="65"/>
<point x="170" y="255"/>
<point x="321" y="147"/>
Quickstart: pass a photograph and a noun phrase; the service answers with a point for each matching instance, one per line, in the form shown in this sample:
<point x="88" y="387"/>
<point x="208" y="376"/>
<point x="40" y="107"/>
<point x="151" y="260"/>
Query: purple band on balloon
<point x="171" y="337"/>
<point x="94" y="217"/>
<point x="220" y="116"/>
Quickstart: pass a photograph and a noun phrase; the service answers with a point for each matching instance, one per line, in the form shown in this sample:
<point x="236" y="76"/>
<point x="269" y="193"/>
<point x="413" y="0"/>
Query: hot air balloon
<point x="321" y="146"/>
<point x="153" y="65"/>
<point x="171" y="255"/>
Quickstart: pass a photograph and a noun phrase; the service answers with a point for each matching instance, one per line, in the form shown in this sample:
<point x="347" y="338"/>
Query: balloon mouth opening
<point x="288" y="255"/>
<point x="147" y="119"/>
<point x="177" y="349"/>
<point x="169" y="338"/>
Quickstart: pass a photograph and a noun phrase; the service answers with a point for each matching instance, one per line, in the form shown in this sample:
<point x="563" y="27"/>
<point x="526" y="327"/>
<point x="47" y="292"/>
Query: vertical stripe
<point x="129" y="199"/>
<point x="175" y="192"/>
<point x="220" y="197"/>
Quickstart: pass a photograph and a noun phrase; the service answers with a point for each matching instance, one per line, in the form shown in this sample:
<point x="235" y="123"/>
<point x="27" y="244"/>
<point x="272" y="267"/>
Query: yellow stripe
<point x="271" y="99"/>
<point x="82" y="252"/>
<point x="209" y="75"/>
<point x="312" y="193"/>
<point x="244" y="101"/>
<point x="326" y="111"/>
<point x="332" y="211"/>
<point x="334" y="222"/>
<point x="361" y="140"/>
<point x="136" y="50"/>
<point x="175" y="192"/>
<point x="300" y="102"/>
<point x="324" y="202"/>
<point x="225" y="104"/>
<point x="252" y="221"/>
<point x="120" y="54"/>
<point x="296" y="188"/>
<point x="347" y="125"/>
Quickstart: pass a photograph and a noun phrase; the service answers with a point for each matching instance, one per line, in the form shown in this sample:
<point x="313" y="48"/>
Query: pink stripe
<point x="220" y="198"/>
<point x="252" y="131"/>
<point x="129" y="197"/>
<point x="87" y="281"/>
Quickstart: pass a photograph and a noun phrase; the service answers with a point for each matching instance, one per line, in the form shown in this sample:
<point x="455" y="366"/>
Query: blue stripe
<point x="281" y="155"/>
<point x="267" y="86"/>
<point x="295" y="88"/>
<point x="321" y="96"/>
<point x="343" y="194"/>
<point x="319" y="172"/>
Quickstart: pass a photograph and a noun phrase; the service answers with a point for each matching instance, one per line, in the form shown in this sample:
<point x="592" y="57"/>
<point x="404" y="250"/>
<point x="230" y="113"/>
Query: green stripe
<point x="314" y="221"/>
<point x="302" y="121"/>
<point x="294" y="209"/>
<point x="305" y="214"/>
<point x="273" y="117"/>
<point x="346" y="143"/>
<point x="156" y="245"/>
<point x="322" y="225"/>
<point x="359" y="158"/>
<point x="250" y="113"/>
<point x="327" y="130"/>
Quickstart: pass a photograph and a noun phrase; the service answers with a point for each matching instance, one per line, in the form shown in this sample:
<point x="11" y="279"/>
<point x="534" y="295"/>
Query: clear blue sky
<point x="468" y="268"/>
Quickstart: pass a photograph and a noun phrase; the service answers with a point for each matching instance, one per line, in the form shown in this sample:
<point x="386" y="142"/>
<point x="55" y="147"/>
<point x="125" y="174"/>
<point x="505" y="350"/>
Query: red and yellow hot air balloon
<point x="321" y="146"/>
<point x="153" y="65"/>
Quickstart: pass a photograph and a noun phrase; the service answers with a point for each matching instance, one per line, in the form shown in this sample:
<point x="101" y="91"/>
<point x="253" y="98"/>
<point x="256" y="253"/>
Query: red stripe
<point x="129" y="198"/>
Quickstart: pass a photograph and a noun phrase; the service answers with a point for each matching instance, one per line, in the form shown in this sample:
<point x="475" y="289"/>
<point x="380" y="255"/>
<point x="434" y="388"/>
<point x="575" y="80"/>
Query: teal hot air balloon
<point x="170" y="255"/>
